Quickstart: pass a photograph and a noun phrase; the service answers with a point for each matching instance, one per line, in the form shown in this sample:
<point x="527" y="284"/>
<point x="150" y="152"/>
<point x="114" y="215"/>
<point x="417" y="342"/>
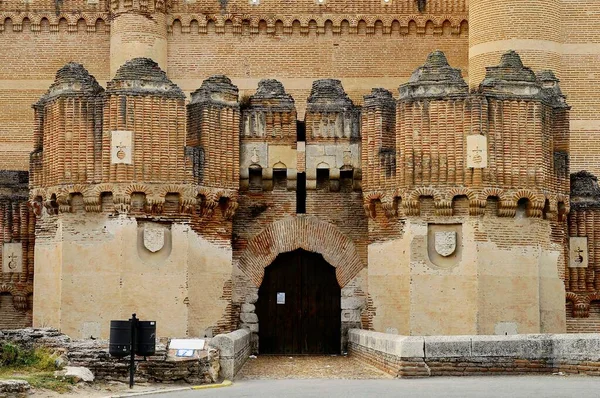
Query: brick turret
<point x="138" y="30"/>
<point x="532" y="27"/>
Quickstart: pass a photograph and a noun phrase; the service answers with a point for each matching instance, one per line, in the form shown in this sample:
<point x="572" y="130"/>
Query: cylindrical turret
<point x="66" y="118"/>
<point x="138" y="30"/>
<point x="144" y="126"/>
<point x="214" y="129"/>
<point x="530" y="27"/>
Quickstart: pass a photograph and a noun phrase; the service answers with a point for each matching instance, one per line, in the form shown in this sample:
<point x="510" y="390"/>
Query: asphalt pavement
<point x="446" y="387"/>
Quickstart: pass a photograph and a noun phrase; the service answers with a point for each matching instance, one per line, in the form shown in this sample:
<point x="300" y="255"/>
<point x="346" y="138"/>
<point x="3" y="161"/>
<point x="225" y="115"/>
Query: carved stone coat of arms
<point x="154" y="238"/>
<point x="445" y="242"/>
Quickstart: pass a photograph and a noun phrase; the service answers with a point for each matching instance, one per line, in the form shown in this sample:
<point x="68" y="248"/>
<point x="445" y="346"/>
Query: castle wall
<point x="580" y="82"/>
<point x="296" y="58"/>
<point x="295" y="46"/>
<point x="494" y="282"/>
<point x="17" y="238"/>
<point x="456" y="227"/>
<point x="27" y="70"/>
<point x="133" y="35"/>
<point x="81" y="286"/>
<point x="558" y="35"/>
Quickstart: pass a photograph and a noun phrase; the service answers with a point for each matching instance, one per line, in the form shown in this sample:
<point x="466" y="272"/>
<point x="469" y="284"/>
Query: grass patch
<point x="36" y="366"/>
<point x="13" y="356"/>
<point x="45" y="380"/>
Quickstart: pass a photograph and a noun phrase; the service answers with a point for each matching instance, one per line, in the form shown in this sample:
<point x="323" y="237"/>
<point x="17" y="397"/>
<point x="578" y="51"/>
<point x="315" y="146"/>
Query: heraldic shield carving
<point x="445" y="242"/>
<point x="154" y="238"/>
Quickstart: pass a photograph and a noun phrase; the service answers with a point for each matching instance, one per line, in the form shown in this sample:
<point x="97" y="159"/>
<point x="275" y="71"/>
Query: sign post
<point x="133" y="322"/>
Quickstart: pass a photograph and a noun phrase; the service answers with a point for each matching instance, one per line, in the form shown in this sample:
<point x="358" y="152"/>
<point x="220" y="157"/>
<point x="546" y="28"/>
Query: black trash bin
<point x="146" y="338"/>
<point x="120" y="338"/>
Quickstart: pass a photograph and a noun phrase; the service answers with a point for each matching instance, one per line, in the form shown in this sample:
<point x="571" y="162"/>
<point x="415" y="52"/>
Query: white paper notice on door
<point x="280" y="298"/>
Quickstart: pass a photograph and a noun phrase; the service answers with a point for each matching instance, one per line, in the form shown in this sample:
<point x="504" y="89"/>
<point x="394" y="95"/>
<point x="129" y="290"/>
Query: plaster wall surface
<point x="481" y="287"/>
<point x="94" y="269"/>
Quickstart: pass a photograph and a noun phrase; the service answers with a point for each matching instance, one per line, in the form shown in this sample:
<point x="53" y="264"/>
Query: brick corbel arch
<point x="303" y="232"/>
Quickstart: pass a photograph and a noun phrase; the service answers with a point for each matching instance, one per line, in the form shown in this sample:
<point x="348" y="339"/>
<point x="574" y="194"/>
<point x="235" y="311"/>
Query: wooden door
<point x="298" y="306"/>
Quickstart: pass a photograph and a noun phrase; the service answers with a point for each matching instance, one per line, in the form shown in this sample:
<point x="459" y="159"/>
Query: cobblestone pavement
<point x="308" y="367"/>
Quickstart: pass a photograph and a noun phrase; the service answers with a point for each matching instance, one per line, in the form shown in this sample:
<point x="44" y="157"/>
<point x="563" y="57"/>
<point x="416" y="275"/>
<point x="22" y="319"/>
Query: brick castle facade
<point x="183" y="146"/>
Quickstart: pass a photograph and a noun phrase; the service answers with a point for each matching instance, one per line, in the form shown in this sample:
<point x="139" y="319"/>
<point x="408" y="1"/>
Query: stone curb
<point x="225" y="383"/>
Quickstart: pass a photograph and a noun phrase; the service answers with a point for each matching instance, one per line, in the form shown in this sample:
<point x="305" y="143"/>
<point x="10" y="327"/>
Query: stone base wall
<point x="93" y="354"/>
<point x="234" y="349"/>
<point x="389" y="363"/>
<point x="403" y="356"/>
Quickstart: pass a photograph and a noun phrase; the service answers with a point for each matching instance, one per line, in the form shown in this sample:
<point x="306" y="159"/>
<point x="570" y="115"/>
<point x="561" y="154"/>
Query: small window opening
<point x="280" y="179"/>
<point x="301" y="193"/>
<point x="322" y="179"/>
<point x="562" y="211"/>
<point x="255" y="178"/>
<point x="546" y="209"/>
<point x="138" y="201"/>
<point x="108" y="205"/>
<point x="522" y="205"/>
<point x="171" y="203"/>
<point x="77" y="203"/>
<point x="300" y="131"/>
<point x="346" y="180"/>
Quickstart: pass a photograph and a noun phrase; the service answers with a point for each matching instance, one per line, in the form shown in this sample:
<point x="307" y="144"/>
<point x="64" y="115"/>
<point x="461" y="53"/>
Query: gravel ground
<point x="308" y="367"/>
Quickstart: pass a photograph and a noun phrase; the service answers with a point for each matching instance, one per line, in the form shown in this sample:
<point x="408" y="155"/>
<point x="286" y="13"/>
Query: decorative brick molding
<point x="301" y="232"/>
<point x="321" y="23"/>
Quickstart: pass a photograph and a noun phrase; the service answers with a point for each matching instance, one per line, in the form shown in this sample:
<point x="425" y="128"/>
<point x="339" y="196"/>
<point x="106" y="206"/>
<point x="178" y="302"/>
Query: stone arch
<point x="4" y="288"/>
<point x="303" y="232"/>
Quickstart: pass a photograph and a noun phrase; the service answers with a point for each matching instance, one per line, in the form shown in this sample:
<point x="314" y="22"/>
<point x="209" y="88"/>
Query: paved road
<point x="457" y="387"/>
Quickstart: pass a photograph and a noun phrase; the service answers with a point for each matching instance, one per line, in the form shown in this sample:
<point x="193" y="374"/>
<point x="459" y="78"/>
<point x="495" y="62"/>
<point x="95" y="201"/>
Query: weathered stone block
<point x="13" y="387"/>
<point x="248" y="317"/>
<point x="350" y="316"/>
<point x="252" y="327"/>
<point x="248" y="307"/>
<point x="75" y="373"/>
<point x="252" y="298"/>
<point x="352" y="303"/>
<point x="447" y="346"/>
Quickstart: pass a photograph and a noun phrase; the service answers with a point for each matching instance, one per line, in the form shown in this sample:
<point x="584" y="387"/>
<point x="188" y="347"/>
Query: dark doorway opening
<point x="299" y="306"/>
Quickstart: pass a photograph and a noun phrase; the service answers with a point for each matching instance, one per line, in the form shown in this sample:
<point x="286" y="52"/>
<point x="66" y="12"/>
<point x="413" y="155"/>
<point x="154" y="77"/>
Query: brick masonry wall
<point x="557" y="35"/>
<point x="295" y="58"/>
<point x="26" y="72"/>
<point x="324" y="41"/>
<point x="10" y="317"/>
<point x="17" y="234"/>
<point x="580" y="72"/>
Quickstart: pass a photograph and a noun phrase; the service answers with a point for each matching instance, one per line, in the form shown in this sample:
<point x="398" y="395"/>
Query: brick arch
<point x="304" y="232"/>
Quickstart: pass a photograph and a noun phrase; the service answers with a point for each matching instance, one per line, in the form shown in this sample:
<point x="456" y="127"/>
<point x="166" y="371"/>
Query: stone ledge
<point x="418" y="356"/>
<point x="234" y="348"/>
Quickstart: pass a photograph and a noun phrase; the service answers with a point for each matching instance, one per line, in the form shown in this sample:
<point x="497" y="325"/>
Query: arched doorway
<point x="299" y="306"/>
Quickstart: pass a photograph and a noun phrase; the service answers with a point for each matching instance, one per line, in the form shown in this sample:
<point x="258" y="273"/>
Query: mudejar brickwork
<point x="438" y="155"/>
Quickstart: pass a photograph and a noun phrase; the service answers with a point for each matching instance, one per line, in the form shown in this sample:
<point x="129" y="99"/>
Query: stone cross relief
<point x="12" y="261"/>
<point x="578" y="257"/>
<point x="477" y="158"/>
